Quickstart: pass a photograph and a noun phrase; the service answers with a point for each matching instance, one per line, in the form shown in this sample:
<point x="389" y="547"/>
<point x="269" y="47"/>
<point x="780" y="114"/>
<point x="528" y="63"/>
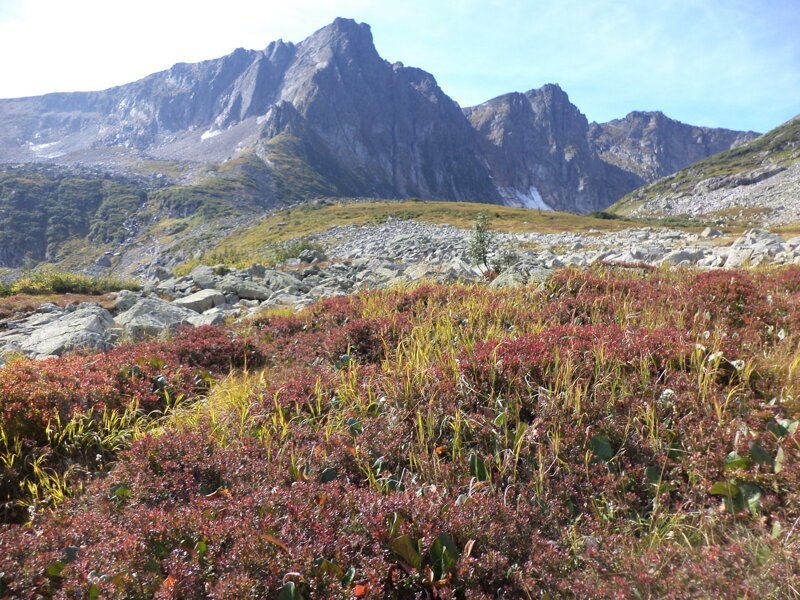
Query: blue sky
<point x="728" y="63"/>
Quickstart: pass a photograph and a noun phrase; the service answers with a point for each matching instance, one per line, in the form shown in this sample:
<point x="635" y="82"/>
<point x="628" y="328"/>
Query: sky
<point x="721" y="63"/>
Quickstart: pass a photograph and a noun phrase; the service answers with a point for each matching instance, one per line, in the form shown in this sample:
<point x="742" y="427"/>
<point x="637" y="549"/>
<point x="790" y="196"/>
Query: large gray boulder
<point x="245" y="289"/>
<point x="510" y="278"/>
<point x="683" y="255"/>
<point x="311" y="256"/>
<point x="201" y="301"/>
<point x="124" y="300"/>
<point x="87" y="327"/>
<point x="739" y="257"/>
<point x="520" y="275"/>
<point x="209" y="318"/>
<point x="278" y="280"/>
<point x="152" y="316"/>
<point x="204" y="277"/>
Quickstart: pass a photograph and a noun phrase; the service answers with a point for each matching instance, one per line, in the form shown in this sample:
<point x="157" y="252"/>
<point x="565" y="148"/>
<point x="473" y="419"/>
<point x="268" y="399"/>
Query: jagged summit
<point x="330" y="116"/>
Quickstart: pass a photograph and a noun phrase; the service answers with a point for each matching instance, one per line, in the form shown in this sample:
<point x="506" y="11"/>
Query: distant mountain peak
<point x="343" y="34"/>
<point x="329" y="114"/>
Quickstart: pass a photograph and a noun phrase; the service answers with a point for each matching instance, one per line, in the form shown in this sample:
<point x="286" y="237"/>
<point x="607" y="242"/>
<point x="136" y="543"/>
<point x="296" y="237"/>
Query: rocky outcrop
<point x="151" y="317"/>
<point x="201" y="301"/>
<point x="52" y="331"/>
<point x="538" y="150"/>
<point x="342" y="113"/>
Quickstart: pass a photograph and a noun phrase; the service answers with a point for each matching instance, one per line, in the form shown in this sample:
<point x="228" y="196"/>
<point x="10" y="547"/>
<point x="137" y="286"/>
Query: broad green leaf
<point x="444" y="555"/>
<point x="323" y="565"/>
<point x="120" y="491"/>
<point x="93" y="593"/>
<point x="55" y="568"/>
<point x="760" y="455"/>
<point x="70" y="554"/>
<point x="201" y="547"/>
<point x="348" y="577"/>
<point x="408" y="550"/>
<point x="354" y="426"/>
<point x="328" y="474"/>
<point x="777" y="529"/>
<point x="778" y="467"/>
<point x="653" y="474"/>
<point x="477" y="467"/>
<point x="724" y="488"/>
<point x="734" y="461"/>
<point x="601" y="448"/>
<point x="782" y="427"/>
<point x="289" y="591"/>
<point x="751" y="497"/>
<point x="449" y="544"/>
<point x="676" y="451"/>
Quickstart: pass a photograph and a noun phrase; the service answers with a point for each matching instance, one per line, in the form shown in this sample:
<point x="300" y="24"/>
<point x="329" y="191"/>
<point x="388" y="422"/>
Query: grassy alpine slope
<point x="577" y="440"/>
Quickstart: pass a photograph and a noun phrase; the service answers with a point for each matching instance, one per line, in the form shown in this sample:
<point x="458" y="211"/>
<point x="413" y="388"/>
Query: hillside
<point x="758" y="181"/>
<point x="91" y="218"/>
<point x="570" y="439"/>
<point x="330" y="117"/>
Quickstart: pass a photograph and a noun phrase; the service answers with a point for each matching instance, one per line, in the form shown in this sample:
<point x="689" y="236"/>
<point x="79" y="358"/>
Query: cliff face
<point x="539" y="154"/>
<point x="329" y="116"/>
<point x="543" y="151"/>
<point x="652" y="145"/>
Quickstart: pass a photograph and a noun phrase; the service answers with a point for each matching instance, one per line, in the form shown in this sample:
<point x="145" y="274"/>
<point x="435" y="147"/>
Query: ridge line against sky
<point x="722" y="63"/>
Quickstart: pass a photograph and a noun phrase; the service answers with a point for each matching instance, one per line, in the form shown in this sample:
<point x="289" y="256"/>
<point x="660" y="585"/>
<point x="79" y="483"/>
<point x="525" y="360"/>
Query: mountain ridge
<point x="385" y="130"/>
<point x="756" y="182"/>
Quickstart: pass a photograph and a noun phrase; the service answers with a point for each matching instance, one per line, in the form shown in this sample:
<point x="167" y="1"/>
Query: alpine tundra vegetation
<point x="292" y="323"/>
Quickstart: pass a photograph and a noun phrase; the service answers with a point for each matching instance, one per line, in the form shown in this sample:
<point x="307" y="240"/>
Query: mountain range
<point x="329" y="117"/>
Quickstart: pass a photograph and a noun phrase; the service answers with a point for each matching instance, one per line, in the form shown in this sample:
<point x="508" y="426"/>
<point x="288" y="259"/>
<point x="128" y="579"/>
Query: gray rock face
<point x="520" y="275"/>
<point x="543" y="153"/>
<point x="247" y="290"/>
<point x="125" y="299"/>
<point x="759" y="183"/>
<point x="278" y="280"/>
<point x="151" y="317"/>
<point x="651" y="145"/>
<point x="203" y="277"/>
<point x="201" y="301"/>
<point x="538" y="147"/>
<point x="683" y="255"/>
<point x="87" y="327"/>
<point x="369" y="127"/>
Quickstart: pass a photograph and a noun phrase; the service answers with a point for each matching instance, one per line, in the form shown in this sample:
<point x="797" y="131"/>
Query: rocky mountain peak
<point x="348" y="122"/>
<point x="345" y="39"/>
<point x="551" y="91"/>
<point x="652" y="145"/>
